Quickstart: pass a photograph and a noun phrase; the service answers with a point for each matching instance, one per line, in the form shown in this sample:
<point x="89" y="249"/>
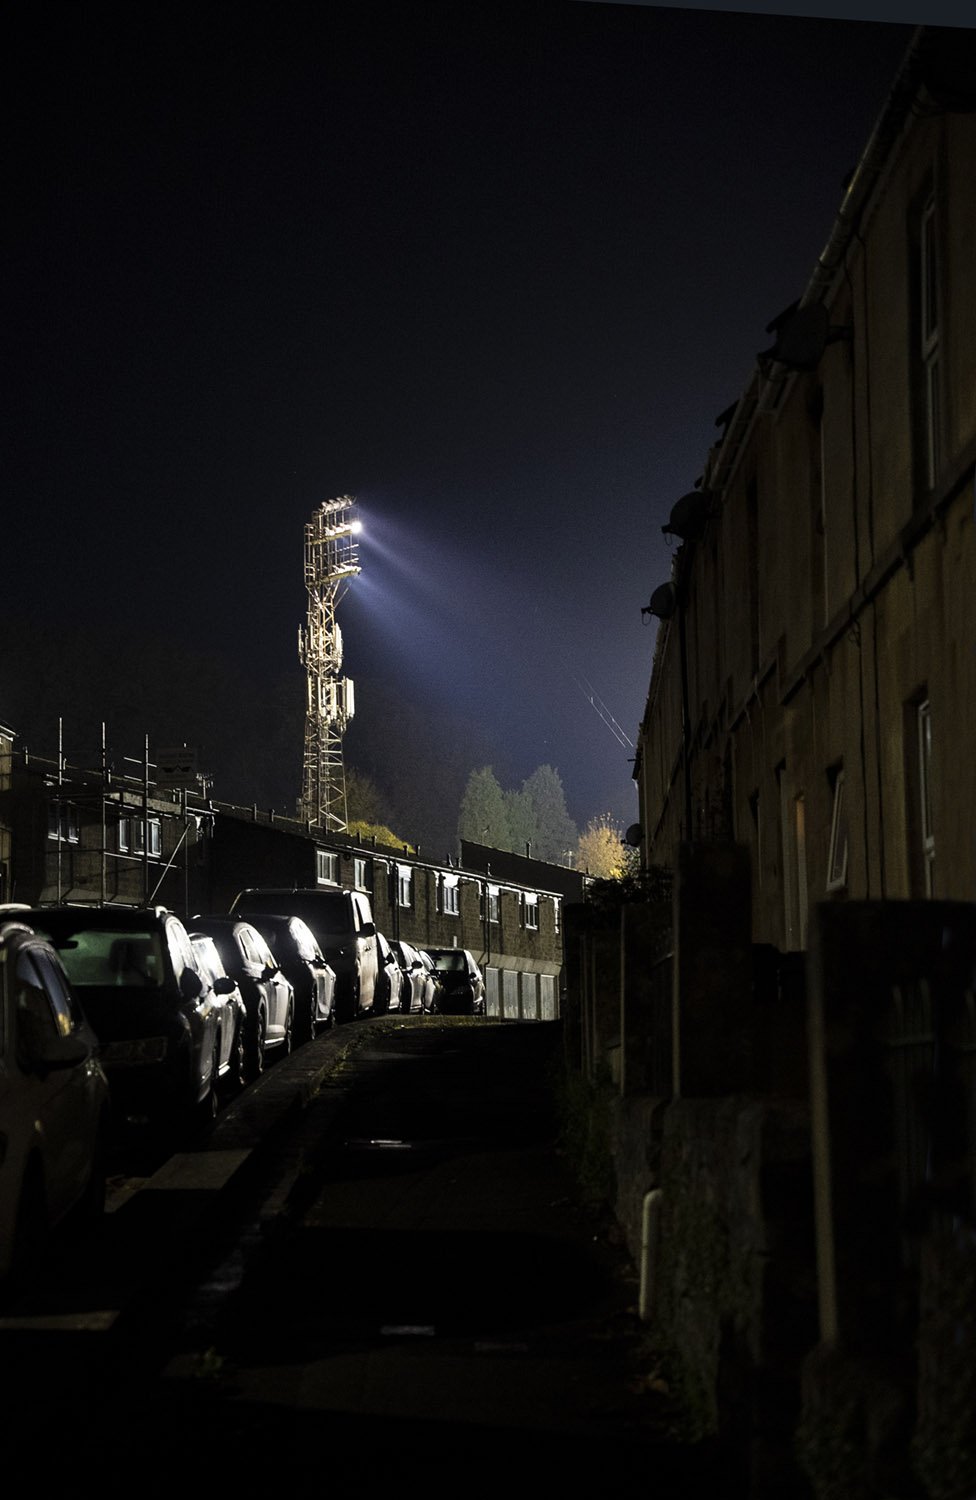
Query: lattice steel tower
<point x="331" y="560"/>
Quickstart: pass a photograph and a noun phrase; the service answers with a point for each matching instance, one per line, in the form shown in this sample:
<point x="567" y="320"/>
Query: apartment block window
<point x="493" y="898"/>
<point x="929" y="349"/>
<point x="62" y="822"/>
<point x="924" y="752"/>
<point x="141" y="835"/>
<point x="530" y="910"/>
<point x="359" y="874"/>
<point x="404" y="885"/>
<point x="326" y="867"/>
<point x="837" y="857"/>
<point x="802" y="904"/>
<point x="555" y="914"/>
<point x="447" y="895"/>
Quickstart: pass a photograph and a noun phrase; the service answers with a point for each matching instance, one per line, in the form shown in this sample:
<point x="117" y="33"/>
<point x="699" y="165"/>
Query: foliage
<point x="484" y="817"/>
<point x="365" y="802"/>
<point x="652" y="885"/>
<point x="367" y="832"/>
<point x="601" y="851"/>
<point x="532" y="816"/>
<point x="554" y="834"/>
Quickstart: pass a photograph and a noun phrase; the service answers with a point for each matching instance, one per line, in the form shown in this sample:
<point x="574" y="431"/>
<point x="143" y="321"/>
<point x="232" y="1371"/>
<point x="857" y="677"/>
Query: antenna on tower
<point x="331" y="560"/>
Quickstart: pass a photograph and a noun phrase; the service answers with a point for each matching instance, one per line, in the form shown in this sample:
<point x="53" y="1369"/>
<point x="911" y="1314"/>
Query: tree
<point x="483" y="817"/>
<point x="521" y="821"/>
<point x="365" y="802"/>
<point x="601" y="851"/>
<point x="555" y="833"/>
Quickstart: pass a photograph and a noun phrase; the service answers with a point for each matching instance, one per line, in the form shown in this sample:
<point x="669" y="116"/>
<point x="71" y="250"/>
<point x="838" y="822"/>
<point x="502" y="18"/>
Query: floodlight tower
<point x="331" y="560"/>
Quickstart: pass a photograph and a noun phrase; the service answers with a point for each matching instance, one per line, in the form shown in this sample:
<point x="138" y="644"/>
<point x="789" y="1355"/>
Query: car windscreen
<point x="107" y="955"/>
<point x="449" y="961"/>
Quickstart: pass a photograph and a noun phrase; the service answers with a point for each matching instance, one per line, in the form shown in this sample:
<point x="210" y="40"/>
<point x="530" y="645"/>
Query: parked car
<point x="390" y="978"/>
<point x="153" y="1010"/>
<point x="342" y="921"/>
<point x="268" y="996"/>
<point x="416" y="981"/>
<point x="54" y="1099"/>
<point x="434" y="987"/>
<point x="462" y="981"/>
<point x="232" y="1023"/>
<point x="303" y="964"/>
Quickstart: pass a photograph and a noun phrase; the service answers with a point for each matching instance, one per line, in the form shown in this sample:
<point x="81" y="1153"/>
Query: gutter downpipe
<point x="650" y="1230"/>
<point x="868" y="170"/>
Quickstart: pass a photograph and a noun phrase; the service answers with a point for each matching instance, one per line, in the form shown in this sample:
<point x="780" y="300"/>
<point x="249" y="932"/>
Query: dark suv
<point x="156" y="1017"/>
<point x="463" y="984"/>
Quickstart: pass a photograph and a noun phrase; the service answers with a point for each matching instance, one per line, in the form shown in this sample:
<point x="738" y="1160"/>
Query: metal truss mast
<point x="331" y="560"/>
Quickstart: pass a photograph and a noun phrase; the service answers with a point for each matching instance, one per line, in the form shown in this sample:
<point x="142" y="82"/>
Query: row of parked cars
<point x="119" y="1016"/>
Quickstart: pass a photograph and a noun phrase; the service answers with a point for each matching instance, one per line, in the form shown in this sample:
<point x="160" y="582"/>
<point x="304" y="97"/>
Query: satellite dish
<point x="634" y="835"/>
<point x="802" y="338"/>
<point x="664" y="601"/>
<point x="688" y="516"/>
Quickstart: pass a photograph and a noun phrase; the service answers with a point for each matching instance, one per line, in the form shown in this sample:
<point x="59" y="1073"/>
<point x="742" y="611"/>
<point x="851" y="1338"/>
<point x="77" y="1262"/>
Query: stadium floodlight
<point x="331" y="560"/>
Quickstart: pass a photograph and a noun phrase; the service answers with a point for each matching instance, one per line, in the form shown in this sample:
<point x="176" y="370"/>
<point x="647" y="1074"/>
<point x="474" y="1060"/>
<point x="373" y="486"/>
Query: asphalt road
<point x="375" y="1271"/>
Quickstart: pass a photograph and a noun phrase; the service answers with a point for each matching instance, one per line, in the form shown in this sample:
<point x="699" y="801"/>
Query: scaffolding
<point x="331" y="560"/>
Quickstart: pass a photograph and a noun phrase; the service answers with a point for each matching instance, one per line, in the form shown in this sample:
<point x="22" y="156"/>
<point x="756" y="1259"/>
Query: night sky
<point x="495" y="270"/>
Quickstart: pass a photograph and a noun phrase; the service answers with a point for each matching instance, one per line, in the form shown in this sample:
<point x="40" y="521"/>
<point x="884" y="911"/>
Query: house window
<point x="449" y="900"/>
<point x="493" y="903"/>
<point x="800" y="818"/>
<point x="404" y="885"/>
<point x="359" y="874"/>
<point x="326" y="867"/>
<point x="928" y="271"/>
<point x="924" y="754"/>
<point x="133" y="832"/>
<point x="837" y="857"/>
<point x="62" y="822"/>
<point x="530" y="910"/>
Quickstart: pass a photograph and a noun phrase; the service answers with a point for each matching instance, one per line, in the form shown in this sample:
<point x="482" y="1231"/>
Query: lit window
<point x="837" y="858"/>
<point x="449" y="894"/>
<point x="404" y="885"/>
<point x="326" y="867"/>
<point x="132" y="836"/>
<point x="62" y="822"/>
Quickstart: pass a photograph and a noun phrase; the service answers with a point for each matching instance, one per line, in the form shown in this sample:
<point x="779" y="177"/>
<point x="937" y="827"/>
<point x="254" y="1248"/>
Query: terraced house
<point x="815" y="670"/>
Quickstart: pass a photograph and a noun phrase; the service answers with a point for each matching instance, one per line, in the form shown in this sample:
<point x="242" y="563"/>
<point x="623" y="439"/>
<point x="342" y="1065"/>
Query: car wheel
<point x="255" y="1060"/>
<point x="313" y="1018"/>
<point x="207" y="1108"/>
<point x="237" y="1072"/>
<point x="286" y="1045"/>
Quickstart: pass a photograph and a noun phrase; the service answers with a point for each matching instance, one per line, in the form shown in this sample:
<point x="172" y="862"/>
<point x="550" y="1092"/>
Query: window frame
<point x="837" y="877"/>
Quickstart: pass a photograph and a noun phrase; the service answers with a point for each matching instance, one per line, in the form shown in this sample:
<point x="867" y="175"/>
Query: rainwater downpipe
<point x="650" y="1230"/>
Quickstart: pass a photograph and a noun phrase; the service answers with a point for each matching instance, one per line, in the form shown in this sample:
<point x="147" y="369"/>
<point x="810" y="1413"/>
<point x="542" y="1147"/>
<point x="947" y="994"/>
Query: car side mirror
<point x="191" y="985"/>
<point x="224" y="985"/>
<point x="369" y="929"/>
